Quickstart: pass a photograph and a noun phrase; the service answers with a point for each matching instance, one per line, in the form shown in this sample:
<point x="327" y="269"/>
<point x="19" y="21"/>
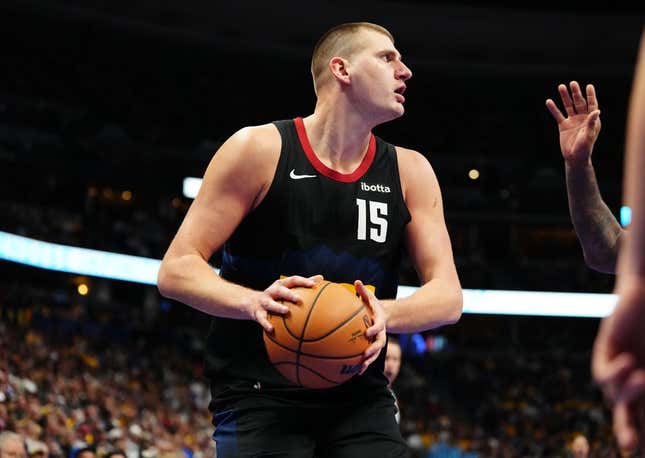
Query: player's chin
<point x="396" y="112"/>
<point x="399" y="110"/>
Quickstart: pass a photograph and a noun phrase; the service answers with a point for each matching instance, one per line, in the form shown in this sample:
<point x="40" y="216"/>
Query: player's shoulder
<point x="415" y="170"/>
<point x="252" y="147"/>
<point x="410" y="159"/>
<point x="249" y="155"/>
<point x="257" y="138"/>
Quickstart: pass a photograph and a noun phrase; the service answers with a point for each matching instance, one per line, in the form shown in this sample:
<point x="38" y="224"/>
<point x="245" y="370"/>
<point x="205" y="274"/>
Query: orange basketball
<point x="320" y="342"/>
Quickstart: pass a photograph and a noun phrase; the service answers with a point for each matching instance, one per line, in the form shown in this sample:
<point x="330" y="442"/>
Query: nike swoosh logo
<point x="299" y="177"/>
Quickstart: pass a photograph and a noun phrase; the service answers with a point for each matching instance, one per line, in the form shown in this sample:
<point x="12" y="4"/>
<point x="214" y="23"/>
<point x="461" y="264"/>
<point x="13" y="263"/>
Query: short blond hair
<point x="339" y="41"/>
<point x="7" y="436"/>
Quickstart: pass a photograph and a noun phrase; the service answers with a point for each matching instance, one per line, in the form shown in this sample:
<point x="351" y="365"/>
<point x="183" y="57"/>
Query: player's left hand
<point x="376" y="332"/>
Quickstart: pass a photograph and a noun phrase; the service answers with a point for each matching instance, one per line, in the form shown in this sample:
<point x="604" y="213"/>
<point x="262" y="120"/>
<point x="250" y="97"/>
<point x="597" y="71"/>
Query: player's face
<point x="378" y="77"/>
<point x="392" y="362"/>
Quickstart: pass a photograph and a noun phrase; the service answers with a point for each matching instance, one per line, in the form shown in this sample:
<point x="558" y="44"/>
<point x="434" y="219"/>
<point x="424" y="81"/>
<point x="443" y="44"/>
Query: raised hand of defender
<point x="377" y="330"/>
<point x="580" y="127"/>
<point x="280" y="290"/>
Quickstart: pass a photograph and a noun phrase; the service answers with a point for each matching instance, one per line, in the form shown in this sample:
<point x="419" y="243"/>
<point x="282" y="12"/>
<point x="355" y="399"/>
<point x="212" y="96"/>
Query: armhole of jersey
<point x="280" y="126"/>
<point x="399" y="184"/>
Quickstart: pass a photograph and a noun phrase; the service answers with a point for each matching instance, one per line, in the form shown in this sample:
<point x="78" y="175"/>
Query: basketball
<point x="320" y="342"/>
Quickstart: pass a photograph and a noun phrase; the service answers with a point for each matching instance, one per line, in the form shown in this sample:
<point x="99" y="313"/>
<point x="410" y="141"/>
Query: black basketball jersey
<point x="313" y="220"/>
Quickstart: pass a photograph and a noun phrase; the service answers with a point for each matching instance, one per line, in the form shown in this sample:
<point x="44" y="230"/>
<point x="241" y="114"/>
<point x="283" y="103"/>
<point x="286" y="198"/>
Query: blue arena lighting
<point x="95" y="263"/>
<point x="625" y="215"/>
<point x="418" y="344"/>
<point x="82" y="261"/>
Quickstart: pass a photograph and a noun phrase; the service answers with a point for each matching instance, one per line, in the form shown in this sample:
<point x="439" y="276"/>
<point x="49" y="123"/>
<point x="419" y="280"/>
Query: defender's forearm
<point x="597" y="229"/>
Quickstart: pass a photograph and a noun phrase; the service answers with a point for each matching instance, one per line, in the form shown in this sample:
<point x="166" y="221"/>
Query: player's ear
<point x="339" y="67"/>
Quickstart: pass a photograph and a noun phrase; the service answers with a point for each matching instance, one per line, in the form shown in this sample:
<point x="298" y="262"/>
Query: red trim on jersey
<point x="326" y="171"/>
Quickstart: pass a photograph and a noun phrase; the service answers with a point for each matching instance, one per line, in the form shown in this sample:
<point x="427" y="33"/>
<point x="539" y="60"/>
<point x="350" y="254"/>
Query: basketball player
<point x="598" y="230"/>
<point x="297" y="199"/>
<point x="618" y="363"/>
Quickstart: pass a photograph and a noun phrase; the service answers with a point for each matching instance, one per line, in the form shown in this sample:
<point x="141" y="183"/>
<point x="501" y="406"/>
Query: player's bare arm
<point x="597" y="229"/>
<point x="235" y="182"/>
<point x="439" y="299"/>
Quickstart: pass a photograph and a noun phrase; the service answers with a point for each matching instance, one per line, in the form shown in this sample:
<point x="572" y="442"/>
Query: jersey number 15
<point x="375" y="212"/>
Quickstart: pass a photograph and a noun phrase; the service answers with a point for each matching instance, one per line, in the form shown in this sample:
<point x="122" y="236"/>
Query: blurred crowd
<point x="69" y="381"/>
<point x="469" y="404"/>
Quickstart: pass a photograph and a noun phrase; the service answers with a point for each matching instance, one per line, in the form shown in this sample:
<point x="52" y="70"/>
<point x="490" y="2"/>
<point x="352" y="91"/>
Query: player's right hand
<point x="267" y="301"/>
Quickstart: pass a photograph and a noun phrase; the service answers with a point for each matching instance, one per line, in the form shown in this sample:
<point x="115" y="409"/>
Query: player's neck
<point x="339" y="137"/>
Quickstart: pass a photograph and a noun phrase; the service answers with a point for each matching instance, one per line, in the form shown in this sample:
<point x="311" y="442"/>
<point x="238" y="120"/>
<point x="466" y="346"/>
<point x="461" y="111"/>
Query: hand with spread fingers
<point x="580" y="127"/>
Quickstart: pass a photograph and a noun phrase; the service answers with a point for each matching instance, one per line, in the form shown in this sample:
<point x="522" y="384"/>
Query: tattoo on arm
<point x="598" y="230"/>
